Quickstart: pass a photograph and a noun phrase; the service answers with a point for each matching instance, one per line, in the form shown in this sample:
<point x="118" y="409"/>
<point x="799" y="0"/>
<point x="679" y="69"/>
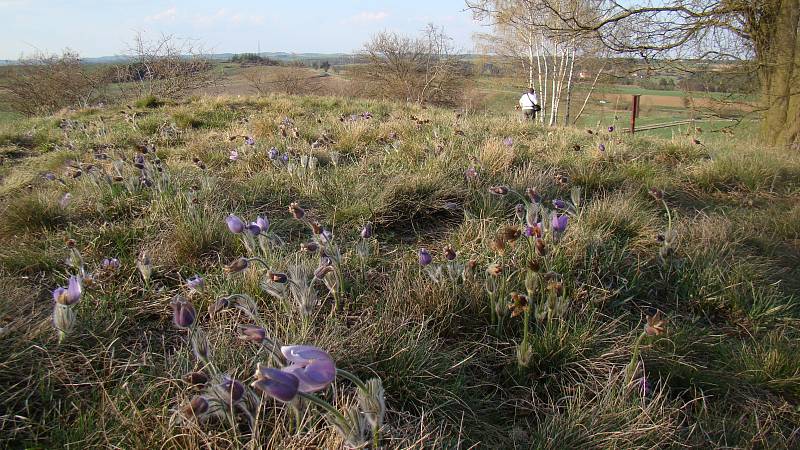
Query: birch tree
<point x="520" y="34"/>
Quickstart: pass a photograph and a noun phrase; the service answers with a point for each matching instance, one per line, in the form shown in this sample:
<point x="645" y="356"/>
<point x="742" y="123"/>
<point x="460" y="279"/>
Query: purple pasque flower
<point x="230" y="390"/>
<point x="559" y="222"/>
<point x="471" y="174"/>
<point x="528" y="231"/>
<point x="601" y="147"/>
<point x="273" y="153"/>
<point x="110" y="264"/>
<point x="234" y="156"/>
<point x="509" y="141"/>
<point x="285" y="157"/>
<point x="196" y="283"/>
<point x="249" y="140"/>
<point x="314" y="368"/>
<point x="559" y="204"/>
<point x="69" y="295"/>
<point x="366" y="232"/>
<point x="183" y="313"/>
<point x="263" y="223"/>
<point x="449" y="253"/>
<point x="276" y="383"/>
<point x="611" y="129"/>
<point x="253" y="229"/>
<point x="235" y="224"/>
<point x="425" y="257"/>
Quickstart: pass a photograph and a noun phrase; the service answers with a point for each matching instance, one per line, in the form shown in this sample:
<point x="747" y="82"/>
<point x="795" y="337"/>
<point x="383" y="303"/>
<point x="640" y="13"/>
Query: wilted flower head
<point x="235" y="224"/>
<point x="323" y="270"/>
<point x="425" y="257"/>
<point x="540" y="247"/>
<point x="366" y="232"/>
<point x="559" y="222"/>
<point x="313" y="367"/>
<point x="559" y="204"/>
<point x="499" y="190"/>
<point x="494" y="269"/>
<point x="297" y="212"/>
<point x="449" y="253"/>
<point x="656" y="193"/>
<point x="518" y="305"/>
<point x="219" y="305"/>
<point x="533" y="195"/>
<point x="237" y="266"/>
<point x="656" y="325"/>
<point x="196" y="407"/>
<point x="195" y="283"/>
<point x="277" y="277"/>
<point x="183" y="313"/>
<point x="471" y="174"/>
<point x="252" y="333"/>
<point x="276" y="383"/>
<point x="309" y="247"/>
<point x="71" y="295"/>
<point x="196" y="378"/>
<point x="230" y="390"/>
<point x="234" y="155"/>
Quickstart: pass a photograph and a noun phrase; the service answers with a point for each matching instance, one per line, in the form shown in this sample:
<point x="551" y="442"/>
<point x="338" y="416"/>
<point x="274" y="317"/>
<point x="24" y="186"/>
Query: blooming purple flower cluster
<point x="310" y="370"/>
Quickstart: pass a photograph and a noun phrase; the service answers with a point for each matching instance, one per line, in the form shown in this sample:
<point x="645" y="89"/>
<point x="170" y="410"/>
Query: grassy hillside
<point x="716" y="256"/>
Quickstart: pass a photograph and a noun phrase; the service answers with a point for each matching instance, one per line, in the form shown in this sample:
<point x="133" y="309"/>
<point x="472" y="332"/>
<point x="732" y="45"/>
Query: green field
<point x="656" y="307"/>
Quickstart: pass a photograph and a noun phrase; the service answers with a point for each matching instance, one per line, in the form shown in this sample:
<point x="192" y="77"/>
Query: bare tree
<point x="764" y="33"/>
<point x="46" y="83"/>
<point x="291" y="80"/>
<point x="422" y="69"/>
<point x="166" y="67"/>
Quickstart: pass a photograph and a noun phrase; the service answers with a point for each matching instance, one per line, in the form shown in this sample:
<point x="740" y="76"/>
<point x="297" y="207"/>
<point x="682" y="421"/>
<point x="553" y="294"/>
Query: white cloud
<point x="369" y="16"/>
<point x="166" y="15"/>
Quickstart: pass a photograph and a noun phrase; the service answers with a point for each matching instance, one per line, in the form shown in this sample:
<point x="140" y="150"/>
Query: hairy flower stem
<point x="324" y="405"/>
<point x="357" y="381"/>
<point x="260" y="261"/>
<point x="630" y="371"/>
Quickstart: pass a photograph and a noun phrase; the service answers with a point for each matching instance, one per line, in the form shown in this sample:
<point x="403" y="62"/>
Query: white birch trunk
<point x="569" y="85"/>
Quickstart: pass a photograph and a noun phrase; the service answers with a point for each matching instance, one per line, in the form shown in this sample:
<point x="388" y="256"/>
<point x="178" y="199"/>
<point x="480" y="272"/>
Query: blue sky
<point x="99" y="28"/>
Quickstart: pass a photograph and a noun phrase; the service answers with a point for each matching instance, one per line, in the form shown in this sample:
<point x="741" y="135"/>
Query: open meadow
<point x="466" y="280"/>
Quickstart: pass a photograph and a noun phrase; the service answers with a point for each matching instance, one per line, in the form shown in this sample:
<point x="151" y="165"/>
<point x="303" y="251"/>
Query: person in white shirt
<point x="529" y="104"/>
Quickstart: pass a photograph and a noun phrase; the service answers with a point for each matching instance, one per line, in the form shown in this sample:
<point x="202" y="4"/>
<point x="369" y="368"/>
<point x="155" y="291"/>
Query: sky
<point x="103" y="28"/>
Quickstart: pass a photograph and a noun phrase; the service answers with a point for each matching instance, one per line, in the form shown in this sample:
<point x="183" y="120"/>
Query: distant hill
<point x="280" y="56"/>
